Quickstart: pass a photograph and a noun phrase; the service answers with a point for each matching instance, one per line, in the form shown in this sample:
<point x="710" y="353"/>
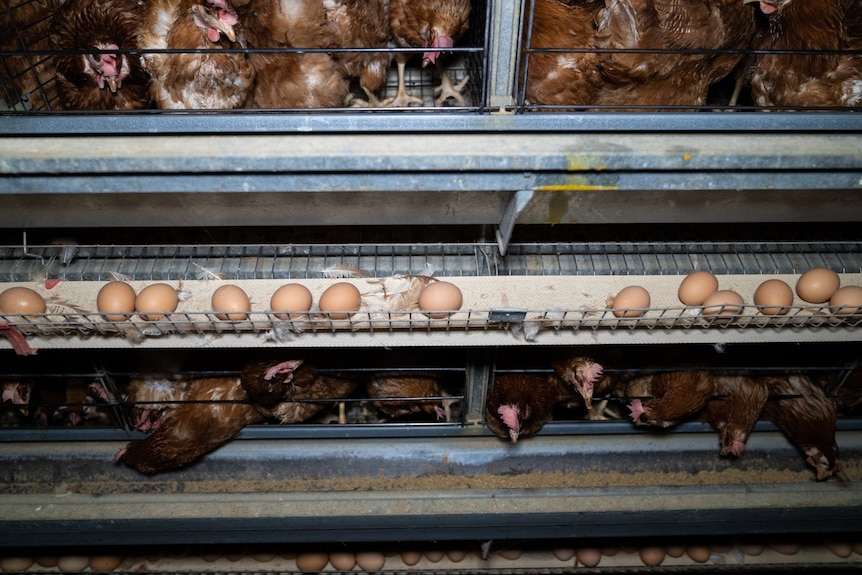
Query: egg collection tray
<point x="529" y="305"/>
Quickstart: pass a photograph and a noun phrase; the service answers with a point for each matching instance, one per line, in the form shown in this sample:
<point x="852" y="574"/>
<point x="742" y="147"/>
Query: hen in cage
<point x="106" y="79"/>
<point x="520" y="404"/>
<point x="648" y="54"/>
<point x="432" y="24"/>
<point x="734" y="409"/>
<point x="214" y="411"/>
<point x="388" y="390"/>
<point x="784" y="78"/>
<point x="26" y="76"/>
<point x="666" y="398"/>
<point x="286" y="78"/>
<point x="800" y="409"/>
<point x="200" y="70"/>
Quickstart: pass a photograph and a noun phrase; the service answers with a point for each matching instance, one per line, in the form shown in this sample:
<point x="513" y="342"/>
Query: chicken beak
<point x="513" y="434"/>
<point x="227" y="30"/>
<point x="439" y="42"/>
<point x="765" y="6"/>
<point x="113" y="83"/>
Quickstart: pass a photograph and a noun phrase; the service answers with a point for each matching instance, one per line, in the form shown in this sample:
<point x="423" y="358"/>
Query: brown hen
<point x="362" y="24"/>
<point x="734" y="409"/>
<point x="672" y="77"/>
<point x="25" y="73"/>
<point x="668" y="397"/>
<point x="107" y="79"/>
<point x="210" y="79"/>
<point x="151" y="397"/>
<point x="807" y="417"/>
<point x="432" y="24"/>
<point x="286" y="390"/>
<point x="217" y="409"/>
<point x="520" y="404"/>
<point x="563" y="78"/>
<point x="390" y="389"/>
<point x="584" y="376"/>
<point x="292" y="79"/>
<point x="787" y="79"/>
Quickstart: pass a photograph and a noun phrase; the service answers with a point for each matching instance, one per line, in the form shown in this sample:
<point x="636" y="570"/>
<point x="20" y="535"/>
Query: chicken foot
<point x="447" y="89"/>
<point x="402" y="99"/>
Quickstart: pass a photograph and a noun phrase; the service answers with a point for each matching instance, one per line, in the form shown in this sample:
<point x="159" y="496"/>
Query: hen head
<point x="215" y="17"/>
<point x="18" y="394"/>
<point x="769" y="6"/>
<point x="107" y="67"/>
<point x="823" y="464"/>
<point x="449" y="23"/>
<point x="510" y="415"/>
<point x="267" y="383"/>
<point x="582" y="374"/>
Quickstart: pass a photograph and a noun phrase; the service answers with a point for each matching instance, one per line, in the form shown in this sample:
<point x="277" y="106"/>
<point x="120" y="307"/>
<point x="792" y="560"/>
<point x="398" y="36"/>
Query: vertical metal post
<point x="503" y="51"/>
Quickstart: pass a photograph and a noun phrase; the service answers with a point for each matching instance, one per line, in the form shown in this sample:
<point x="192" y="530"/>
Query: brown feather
<point x="530" y="398"/>
<point x="99" y="24"/>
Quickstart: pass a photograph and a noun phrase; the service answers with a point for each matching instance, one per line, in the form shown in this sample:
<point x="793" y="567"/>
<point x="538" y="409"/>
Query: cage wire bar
<point x="246" y="261"/>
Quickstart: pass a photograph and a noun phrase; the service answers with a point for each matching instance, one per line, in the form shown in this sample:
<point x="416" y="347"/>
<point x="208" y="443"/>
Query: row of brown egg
<point x="371" y="561"/>
<point x="117" y="300"/>
<point x="773" y="296"/>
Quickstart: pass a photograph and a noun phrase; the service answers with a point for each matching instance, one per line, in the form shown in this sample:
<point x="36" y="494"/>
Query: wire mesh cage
<point x="629" y="56"/>
<point x="30" y="57"/>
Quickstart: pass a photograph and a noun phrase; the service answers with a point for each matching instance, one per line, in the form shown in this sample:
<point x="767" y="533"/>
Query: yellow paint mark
<point x="579" y="163"/>
<point x="686" y="157"/>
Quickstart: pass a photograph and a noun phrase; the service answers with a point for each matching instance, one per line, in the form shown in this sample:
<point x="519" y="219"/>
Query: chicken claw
<point x="447" y="90"/>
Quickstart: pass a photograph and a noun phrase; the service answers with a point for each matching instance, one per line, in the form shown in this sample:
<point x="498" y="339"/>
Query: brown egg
<point x="510" y="554"/>
<point x="230" y="301"/>
<point x="846" y="300"/>
<point x="311" y="561"/>
<point x="262" y="557"/>
<point x="456" y="555"/>
<point x="21" y="300"/>
<point x="105" y="562"/>
<point x="69" y="563"/>
<point x="564" y="554"/>
<point x="651" y="556"/>
<point x="343" y="561"/>
<point x="210" y="557"/>
<point x="589" y="557"/>
<point x="723" y="303"/>
<point x="156" y="300"/>
<point x="698" y="553"/>
<point x="630" y="297"/>
<point x="116" y="298"/>
<point x="434" y="556"/>
<point x="785" y="548"/>
<point x="341" y="300"/>
<point x="410" y="558"/>
<point x="439" y="298"/>
<point x="610" y="551"/>
<point x="290" y="298"/>
<point x="15" y="563"/>
<point x="47" y="561"/>
<point x="776" y="295"/>
<point x="817" y="285"/>
<point x="753" y="549"/>
<point x="675" y="551"/>
<point x="696" y="287"/>
<point x="370" y="561"/>
<point x="840" y="548"/>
